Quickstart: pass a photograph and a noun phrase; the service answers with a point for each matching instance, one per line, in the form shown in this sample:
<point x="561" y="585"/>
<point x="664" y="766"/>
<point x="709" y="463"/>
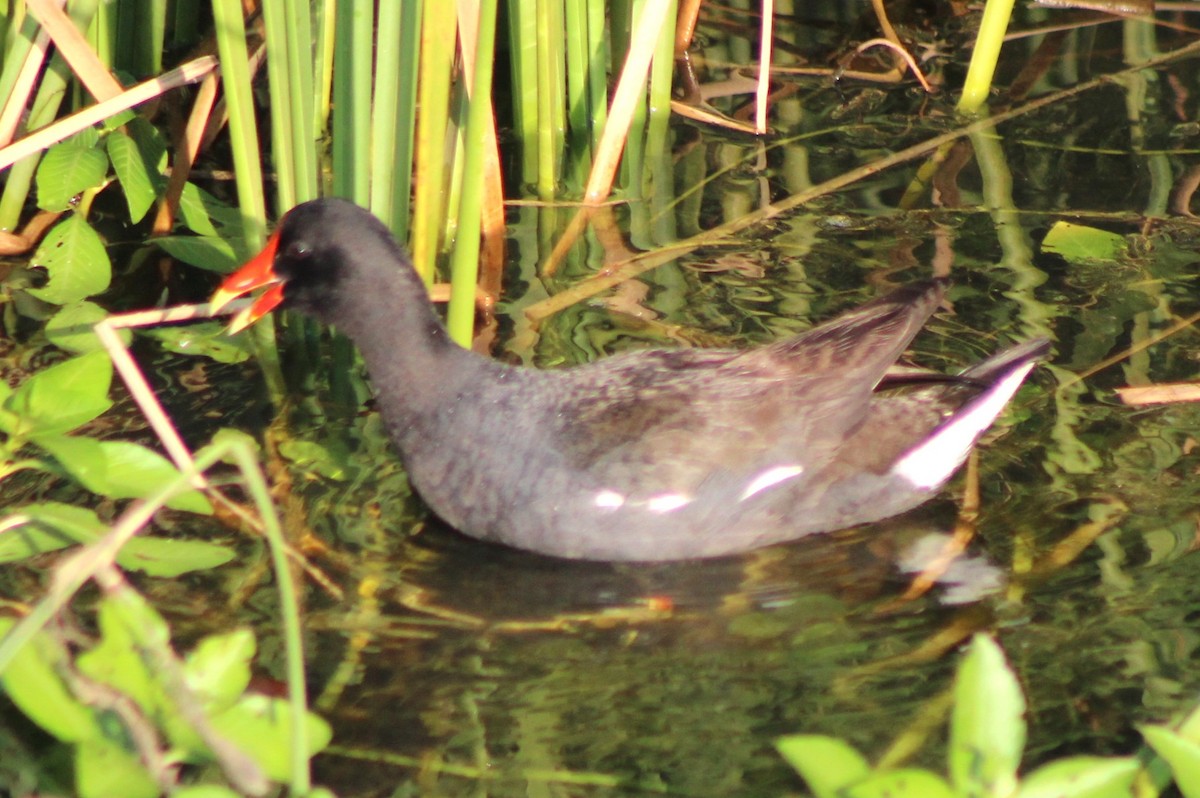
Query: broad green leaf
<point x="74" y="257"/>
<point x="50" y="526"/>
<point x="119" y="662"/>
<point x="1082" y="777"/>
<point x="68" y="168"/>
<point x="1181" y="754"/>
<point x="150" y="141"/>
<point x="120" y="470"/>
<point x="167" y="557"/>
<point x="71" y="328"/>
<point x="906" y="783"/>
<point x="63" y="397"/>
<point x="826" y="764"/>
<point x="32" y="682"/>
<point x="204" y="251"/>
<point x="104" y="769"/>
<point x="218" y="669"/>
<point x="987" y="727"/>
<point x="206" y="338"/>
<point x="1082" y="244"/>
<point x="138" y="182"/>
<point x="261" y="726"/>
<point x="30" y="540"/>
<point x="204" y="214"/>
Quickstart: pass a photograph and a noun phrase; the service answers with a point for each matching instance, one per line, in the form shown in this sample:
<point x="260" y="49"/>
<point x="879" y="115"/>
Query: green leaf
<point x="987" y="727"/>
<point x="74" y="256"/>
<point x="49" y="526"/>
<point x="1181" y="754"/>
<point x="206" y="338"/>
<point x="104" y="769"/>
<point x="207" y="252"/>
<point x="120" y="470"/>
<point x="150" y="141"/>
<point x="71" y="328"/>
<point x="906" y="783"/>
<point x="63" y="397"/>
<point x="1082" y="777"/>
<point x="138" y="182"/>
<point x="218" y="669"/>
<point x="29" y="540"/>
<point x="261" y="726"/>
<point x="117" y="660"/>
<point x="826" y="764"/>
<point x="204" y="214"/>
<point x="167" y="557"/>
<point x="1082" y="244"/>
<point x="68" y="168"/>
<point x="32" y="682"/>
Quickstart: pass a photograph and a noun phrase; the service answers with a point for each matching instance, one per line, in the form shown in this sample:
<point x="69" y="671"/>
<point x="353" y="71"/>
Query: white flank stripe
<point x="608" y="499"/>
<point x="666" y="502"/>
<point x="772" y="476"/>
<point x="932" y="463"/>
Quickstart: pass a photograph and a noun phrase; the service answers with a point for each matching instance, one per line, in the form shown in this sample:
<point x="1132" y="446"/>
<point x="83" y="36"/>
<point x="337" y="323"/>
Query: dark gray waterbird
<point x="651" y="455"/>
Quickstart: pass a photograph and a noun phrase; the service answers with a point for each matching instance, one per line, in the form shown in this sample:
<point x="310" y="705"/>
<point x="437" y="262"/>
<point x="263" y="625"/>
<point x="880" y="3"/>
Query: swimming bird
<point x="662" y="454"/>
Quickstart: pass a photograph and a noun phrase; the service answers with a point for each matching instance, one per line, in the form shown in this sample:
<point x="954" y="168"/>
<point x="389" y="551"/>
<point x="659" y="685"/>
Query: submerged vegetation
<point x="592" y="209"/>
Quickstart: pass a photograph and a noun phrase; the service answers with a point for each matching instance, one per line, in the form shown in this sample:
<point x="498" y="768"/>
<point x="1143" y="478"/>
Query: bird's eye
<point x="297" y="250"/>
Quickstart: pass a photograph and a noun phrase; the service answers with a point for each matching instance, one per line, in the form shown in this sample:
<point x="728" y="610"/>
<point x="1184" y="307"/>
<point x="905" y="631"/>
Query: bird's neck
<point x="412" y="362"/>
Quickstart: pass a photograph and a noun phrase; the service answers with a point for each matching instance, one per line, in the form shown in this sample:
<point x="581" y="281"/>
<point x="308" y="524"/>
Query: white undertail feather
<point x="932" y="462"/>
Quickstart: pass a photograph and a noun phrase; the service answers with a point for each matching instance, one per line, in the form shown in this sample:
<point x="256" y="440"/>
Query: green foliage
<point x="74" y="257"/>
<point x="38" y="416"/>
<point x="987" y="735"/>
<point x="1079" y="243"/>
<point x="192" y="706"/>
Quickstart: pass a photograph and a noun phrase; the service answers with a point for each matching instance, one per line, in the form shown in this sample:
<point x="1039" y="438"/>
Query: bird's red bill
<point x="257" y="272"/>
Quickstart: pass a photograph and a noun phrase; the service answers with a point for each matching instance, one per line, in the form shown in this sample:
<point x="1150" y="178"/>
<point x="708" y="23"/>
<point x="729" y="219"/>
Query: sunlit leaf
<point x="987" y="727"/>
<point x="218" y="670"/>
<point x="826" y="764"/>
<point x="138" y="182"/>
<point x="32" y="682"/>
<point x="204" y="214"/>
<point x="205" y="252"/>
<point x="71" y="328"/>
<point x="1082" y="777"/>
<point x="68" y="168"/>
<point x="261" y="726"/>
<point x="75" y="259"/>
<point x="207" y="338"/>
<point x="167" y="557"/>
<point x="104" y="769"/>
<point x="907" y="783"/>
<point x="120" y="470"/>
<point x="64" y="396"/>
<point x="49" y="526"/>
<point x="1082" y="244"/>
<point x="1181" y="754"/>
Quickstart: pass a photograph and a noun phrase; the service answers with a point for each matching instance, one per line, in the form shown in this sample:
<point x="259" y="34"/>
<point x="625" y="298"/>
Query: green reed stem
<point x="438" y="35"/>
<point x="992" y="28"/>
<point x="464" y="266"/>
<point x="523" y="46"/>
<point x="353" y="45"/>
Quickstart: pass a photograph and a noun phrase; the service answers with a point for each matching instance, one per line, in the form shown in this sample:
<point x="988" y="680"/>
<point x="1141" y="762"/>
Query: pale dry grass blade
<point x="143" y="92"/>
<point x="75" y="50"/>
